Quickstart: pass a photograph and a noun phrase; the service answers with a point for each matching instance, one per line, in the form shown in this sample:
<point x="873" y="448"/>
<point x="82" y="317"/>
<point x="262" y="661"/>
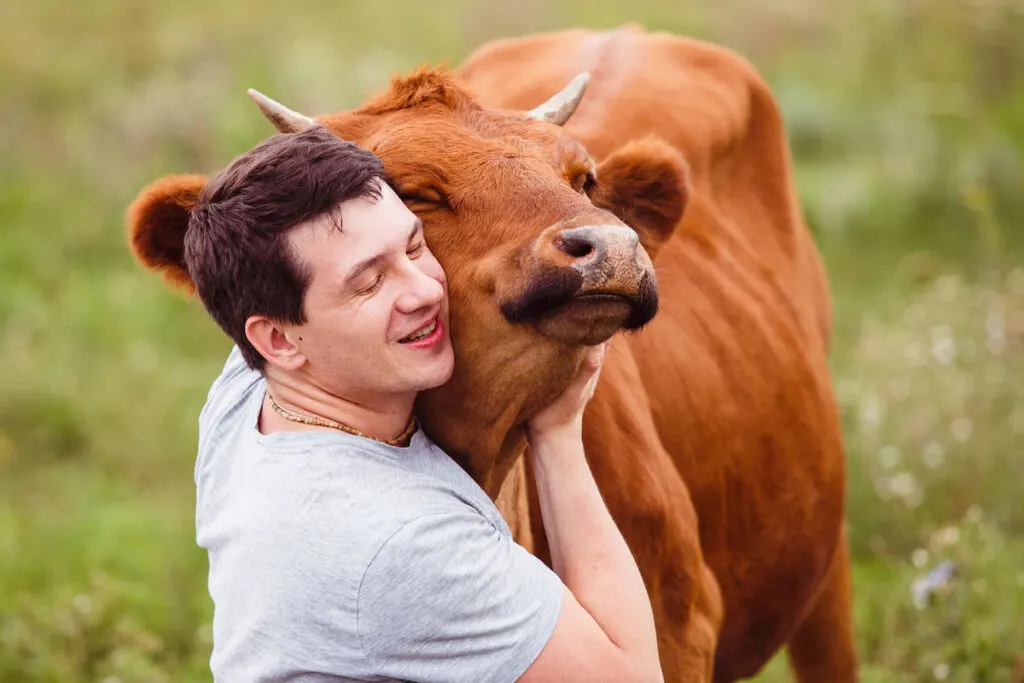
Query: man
<point x="343" y="544"/>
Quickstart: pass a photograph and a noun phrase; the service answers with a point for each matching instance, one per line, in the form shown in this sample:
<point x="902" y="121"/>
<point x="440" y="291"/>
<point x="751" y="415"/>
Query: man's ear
<point x="646" y="184"/>
<point x="157" y="221"/>
<point x="273" y="342"/>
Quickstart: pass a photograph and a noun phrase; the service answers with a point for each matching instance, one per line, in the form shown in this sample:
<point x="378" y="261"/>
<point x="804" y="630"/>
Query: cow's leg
<point x="822" y="649"/>
<point x="700" y="635"/>
<point x="685" y="596"/>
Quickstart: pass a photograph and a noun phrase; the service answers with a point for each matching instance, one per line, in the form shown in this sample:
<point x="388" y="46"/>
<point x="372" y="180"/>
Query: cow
<point x="650" y="201"/>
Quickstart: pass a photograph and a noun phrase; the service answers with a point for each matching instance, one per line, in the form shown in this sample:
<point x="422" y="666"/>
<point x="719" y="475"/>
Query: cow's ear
<point x="646" y="184"/>
<point x="157" y="221"/>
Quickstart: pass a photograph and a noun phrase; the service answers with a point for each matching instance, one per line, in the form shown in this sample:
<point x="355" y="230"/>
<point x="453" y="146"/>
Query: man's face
<point x="376" y="305"/>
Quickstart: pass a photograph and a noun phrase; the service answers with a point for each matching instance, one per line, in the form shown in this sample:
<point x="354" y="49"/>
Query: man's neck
<point x="382" y="417"/>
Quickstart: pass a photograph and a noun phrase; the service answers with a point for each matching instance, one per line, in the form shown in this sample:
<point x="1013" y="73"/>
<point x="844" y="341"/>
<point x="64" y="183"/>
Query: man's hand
<point x="565" y="415"/>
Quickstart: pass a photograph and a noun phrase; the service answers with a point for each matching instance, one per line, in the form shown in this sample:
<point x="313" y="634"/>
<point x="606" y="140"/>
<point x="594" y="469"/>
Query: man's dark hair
<point x="236" y="249"/>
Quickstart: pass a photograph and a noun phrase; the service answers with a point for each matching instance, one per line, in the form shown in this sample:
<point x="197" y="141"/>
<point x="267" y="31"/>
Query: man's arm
<point x="448" y="597"/>
<point x="606" y="627"/>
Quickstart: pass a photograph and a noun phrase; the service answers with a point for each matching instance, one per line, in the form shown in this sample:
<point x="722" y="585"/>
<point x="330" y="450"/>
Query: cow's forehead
<point x="436" y="140"/>
<point x="485" y="131"/>
<point x="457" y="144"/>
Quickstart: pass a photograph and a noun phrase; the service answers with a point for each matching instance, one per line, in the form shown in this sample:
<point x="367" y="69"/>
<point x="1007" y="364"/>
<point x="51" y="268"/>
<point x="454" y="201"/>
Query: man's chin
<point x="436" y="371"/>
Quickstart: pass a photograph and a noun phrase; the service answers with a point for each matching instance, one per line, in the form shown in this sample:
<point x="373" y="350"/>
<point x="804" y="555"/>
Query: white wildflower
<point x="943" y="347"/>
<point x="962" y="428"/>
<point x="889" y="457"/>
<point x="82" y="604"/>
<point x="933" y="455"/>
<point x="871" y="410"/>
<point x="904" y="485"/>
<point x="995" y="333"/>
<point x="946" y="536"/>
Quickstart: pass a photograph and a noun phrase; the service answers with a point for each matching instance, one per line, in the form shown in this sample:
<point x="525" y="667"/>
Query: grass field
<point x="907" y="124"/>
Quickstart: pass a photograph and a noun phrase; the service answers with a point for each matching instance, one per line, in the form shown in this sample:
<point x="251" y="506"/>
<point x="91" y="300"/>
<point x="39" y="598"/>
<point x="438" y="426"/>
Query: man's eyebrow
<point x="361" y="268"/>
<point x="375" y="260"/>
<point x="417" y="226"/>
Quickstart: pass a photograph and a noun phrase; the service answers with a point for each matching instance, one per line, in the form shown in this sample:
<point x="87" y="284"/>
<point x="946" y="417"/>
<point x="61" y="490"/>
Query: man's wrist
<point x="556" y="440"/>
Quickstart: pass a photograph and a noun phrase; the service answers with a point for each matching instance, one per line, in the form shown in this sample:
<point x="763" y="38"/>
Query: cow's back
<point x="735" y="362"/>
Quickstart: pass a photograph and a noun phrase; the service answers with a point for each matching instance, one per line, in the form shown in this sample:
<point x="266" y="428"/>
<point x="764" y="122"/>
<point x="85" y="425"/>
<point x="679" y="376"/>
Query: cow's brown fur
<point x="734" y="366"/>
<point x="713" y="434"/>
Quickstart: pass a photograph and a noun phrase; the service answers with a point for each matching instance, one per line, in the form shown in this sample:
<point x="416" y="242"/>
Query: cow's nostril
<point x="575" y="245"/>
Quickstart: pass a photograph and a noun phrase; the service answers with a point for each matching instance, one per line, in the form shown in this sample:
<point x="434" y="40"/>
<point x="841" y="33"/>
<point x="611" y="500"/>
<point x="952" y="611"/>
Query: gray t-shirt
<point x="338" y="558"/>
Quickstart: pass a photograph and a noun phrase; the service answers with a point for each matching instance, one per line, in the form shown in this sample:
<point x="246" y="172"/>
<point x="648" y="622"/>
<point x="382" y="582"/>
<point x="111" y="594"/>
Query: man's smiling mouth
<point x="424" y="331"/>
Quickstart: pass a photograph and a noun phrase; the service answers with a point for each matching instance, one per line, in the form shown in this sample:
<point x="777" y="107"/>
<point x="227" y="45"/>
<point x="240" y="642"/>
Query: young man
<point x="343" y="544"/>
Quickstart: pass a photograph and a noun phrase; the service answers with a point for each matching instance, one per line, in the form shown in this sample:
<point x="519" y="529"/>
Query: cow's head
<point x="545" y="250"/>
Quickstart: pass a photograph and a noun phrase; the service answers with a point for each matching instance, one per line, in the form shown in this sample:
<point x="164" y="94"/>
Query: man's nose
<point x="423" y="291"/>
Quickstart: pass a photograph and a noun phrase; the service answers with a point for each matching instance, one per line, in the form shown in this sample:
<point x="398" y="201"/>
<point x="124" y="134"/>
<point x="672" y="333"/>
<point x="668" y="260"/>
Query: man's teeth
<point x="426" y="331"/>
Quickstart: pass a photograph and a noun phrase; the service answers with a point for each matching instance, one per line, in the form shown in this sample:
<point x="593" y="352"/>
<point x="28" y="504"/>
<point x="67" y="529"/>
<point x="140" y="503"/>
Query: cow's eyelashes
<point x="585" y="182"/>
<point x="418" y="203"/>
<point x="422" y="195"/>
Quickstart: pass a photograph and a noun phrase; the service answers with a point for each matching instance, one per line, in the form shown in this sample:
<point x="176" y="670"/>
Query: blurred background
<point x="907" y="124"/>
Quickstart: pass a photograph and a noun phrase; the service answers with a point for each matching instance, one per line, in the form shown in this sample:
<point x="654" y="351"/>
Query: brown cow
<point x="720" y="411"/>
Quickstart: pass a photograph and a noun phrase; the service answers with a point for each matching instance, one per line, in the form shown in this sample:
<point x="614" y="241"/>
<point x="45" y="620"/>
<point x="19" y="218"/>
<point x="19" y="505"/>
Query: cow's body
<point x="713" y="435"/>
<point x="725" y="398"/>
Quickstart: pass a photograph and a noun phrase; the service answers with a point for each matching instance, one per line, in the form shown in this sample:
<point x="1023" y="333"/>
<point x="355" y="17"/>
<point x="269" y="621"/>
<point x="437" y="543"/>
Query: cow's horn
<point x="560" y="107"/>
<point x="283" y="118"/>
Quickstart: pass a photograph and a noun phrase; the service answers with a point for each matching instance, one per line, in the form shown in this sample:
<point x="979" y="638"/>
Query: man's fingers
<point x="595" y="356"/>
<point x="592" y="365"/>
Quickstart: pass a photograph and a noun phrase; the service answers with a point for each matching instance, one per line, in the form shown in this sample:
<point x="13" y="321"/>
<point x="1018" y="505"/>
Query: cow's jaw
<point x="591" y="318"/>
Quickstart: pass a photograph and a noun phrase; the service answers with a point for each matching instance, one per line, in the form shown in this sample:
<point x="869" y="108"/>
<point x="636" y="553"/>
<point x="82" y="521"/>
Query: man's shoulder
<point x="373" y="497"/>
<point x="336" y="492"/>
<point x="235" y="380"/>
<point x="399" y="484"/>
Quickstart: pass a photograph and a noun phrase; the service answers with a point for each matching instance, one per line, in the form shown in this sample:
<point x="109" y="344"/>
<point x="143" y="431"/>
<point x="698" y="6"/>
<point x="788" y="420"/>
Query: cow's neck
<point x="479" y="416"/>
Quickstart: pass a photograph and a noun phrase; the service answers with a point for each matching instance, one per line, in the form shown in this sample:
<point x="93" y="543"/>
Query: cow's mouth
<point x="560" y="310"/>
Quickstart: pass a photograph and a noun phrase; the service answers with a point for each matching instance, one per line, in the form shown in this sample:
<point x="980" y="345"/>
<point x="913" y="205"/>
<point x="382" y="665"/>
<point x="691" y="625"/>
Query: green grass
<point x="907" y="123"/>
